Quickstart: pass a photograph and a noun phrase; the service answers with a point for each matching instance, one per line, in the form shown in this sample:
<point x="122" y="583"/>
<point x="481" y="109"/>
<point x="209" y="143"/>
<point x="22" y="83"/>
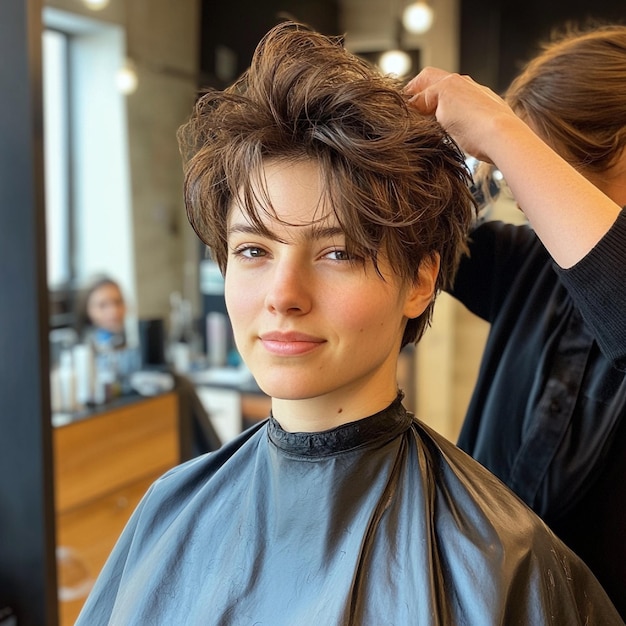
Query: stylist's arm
<point x="486" y="128"/>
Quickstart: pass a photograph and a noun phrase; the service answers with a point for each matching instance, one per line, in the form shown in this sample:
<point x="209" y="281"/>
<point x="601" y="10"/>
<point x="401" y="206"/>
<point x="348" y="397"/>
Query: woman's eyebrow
<point x="309" y="231"/>
<point x="247" y="229"/>
<point x="318" y="231"/>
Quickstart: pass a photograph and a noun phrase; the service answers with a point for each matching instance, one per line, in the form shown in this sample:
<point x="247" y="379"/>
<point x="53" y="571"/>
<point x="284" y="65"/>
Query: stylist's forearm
<point x="569" y="214"/>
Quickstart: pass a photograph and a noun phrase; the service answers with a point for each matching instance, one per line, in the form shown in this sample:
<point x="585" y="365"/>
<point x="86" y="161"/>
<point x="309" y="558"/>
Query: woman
<point x="547" y="412"/>
<point x="101" y="324"/>
<point x="341" y="508"/>
<point x="102" y="314"/>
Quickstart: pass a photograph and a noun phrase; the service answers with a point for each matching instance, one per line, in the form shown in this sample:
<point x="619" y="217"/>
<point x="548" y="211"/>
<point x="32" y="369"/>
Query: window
<point x="57" y="158"/>
<point x="87" y="172"/>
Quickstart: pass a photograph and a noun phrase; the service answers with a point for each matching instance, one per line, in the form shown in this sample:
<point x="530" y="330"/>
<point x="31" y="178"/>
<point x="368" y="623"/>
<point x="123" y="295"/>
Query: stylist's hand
<point x="472" y="114"/>
<point x="485" y="126"/>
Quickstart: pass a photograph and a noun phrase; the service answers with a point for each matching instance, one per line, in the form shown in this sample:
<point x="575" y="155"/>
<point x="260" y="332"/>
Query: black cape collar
<point x="369" y="431"/>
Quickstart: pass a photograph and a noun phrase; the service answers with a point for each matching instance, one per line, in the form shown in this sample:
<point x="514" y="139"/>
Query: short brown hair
<point x="396" y="181"/>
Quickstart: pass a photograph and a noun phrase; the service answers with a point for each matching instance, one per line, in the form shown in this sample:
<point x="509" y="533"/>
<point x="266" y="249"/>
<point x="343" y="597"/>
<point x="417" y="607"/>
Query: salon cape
<point x="378" y="522"/>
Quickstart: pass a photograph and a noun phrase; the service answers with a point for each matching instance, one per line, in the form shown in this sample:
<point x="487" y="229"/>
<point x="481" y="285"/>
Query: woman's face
<point x="106" y="308"/>
<point x="314" y="328"/>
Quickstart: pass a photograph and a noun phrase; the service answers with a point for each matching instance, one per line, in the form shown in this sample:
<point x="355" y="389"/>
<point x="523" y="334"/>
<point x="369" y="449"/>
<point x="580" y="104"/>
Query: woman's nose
<point x="288" y="289"/>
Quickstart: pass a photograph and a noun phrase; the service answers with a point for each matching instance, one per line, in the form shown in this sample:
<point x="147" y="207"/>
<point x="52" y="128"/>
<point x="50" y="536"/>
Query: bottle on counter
<point x="217" y="338"/>
<point x="184" y="341"/>
<point x="106" y="379"/>
<point x="66" y="381"/>
<point x="84" y="374"/>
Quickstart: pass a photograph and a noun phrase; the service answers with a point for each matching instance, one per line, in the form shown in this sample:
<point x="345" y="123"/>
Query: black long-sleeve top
<point x="546" y="415"/>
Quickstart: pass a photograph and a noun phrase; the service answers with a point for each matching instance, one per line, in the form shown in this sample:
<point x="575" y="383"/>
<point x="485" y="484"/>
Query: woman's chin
<point x="282" y="389"/>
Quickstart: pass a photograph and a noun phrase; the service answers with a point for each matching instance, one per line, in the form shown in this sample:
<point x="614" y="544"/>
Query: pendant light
<point x="418" y="17"/>
<point x="96" y="5"/>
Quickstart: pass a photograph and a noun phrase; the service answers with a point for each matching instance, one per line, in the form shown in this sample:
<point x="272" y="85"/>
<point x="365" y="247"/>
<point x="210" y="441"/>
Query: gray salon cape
<point x="378" y="522"/>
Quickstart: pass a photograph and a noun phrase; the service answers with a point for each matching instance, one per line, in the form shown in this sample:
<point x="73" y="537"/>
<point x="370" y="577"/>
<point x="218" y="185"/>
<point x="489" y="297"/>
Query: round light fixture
<point x="126" y="78"/>
<point x="418" y="17"/>
<point x="95" y="5"/>
<point x="395" y="62"/>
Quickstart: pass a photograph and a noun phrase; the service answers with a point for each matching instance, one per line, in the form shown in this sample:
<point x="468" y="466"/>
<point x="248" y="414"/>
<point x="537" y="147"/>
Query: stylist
<point x="547" y="412"/>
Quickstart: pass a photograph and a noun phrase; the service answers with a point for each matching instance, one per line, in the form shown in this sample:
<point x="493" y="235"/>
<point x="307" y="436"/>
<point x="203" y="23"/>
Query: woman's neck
<point x="325" y="413"/>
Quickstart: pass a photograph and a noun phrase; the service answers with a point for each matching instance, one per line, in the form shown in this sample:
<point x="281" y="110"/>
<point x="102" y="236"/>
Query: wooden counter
<point x="103" y="465"/>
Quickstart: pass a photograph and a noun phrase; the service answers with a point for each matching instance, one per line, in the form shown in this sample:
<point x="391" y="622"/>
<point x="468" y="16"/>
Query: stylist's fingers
<point x="463" y="107"/>
<point x="423" y="89"/>
<point x="425" y="101"/>
<point x="427" y="77"/>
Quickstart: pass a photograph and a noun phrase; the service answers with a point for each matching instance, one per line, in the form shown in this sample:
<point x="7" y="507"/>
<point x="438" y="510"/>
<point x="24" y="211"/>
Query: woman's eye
<point x="250" y="252"/>
<point x="339" y="255"/>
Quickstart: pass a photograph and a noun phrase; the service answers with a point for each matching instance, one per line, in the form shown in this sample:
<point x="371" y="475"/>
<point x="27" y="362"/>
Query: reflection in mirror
<point x="113" y="178"/>
<point x="86" y="158"/>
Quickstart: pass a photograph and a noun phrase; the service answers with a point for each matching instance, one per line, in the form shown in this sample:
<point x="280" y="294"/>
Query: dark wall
<point x="27" y="561"/>
<point x="499" y="36"/>
<point x="238" y="25"/>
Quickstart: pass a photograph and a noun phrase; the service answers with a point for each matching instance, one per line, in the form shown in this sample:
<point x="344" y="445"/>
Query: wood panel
<point x="95" y="456"/>
<point x="103" y="466"/>
<point x="85" y="537"/>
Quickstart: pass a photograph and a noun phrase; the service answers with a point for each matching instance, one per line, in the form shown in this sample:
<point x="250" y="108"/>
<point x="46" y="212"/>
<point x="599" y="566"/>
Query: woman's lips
<point x="290" y="343"/>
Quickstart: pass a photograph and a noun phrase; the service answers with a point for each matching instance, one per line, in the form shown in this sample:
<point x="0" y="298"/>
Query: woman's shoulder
<point x="207" y="471"/>
<point x="535" y="574"/>
<point x="478" y="494"/>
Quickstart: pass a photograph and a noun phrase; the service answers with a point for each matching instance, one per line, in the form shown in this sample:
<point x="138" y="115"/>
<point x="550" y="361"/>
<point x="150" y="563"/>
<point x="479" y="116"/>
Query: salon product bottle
<point x="84" y="373"/>
<point x="216" y="338"/>
<point x="67" y="381"/>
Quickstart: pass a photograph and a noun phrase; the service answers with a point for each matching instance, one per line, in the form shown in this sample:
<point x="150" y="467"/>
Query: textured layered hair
<point x="396" y="182"/>
<point x="574" y="95"/>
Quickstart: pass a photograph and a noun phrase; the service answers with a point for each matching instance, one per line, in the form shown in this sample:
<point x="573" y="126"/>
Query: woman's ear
<point x="422" y="292"/>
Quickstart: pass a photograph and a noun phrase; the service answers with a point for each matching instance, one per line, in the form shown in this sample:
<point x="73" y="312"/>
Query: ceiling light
<point x="126" y="78"/>
<point x="418" y="17"/>
<point x="395" y="62"/>
<point x="95" y="5"/>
